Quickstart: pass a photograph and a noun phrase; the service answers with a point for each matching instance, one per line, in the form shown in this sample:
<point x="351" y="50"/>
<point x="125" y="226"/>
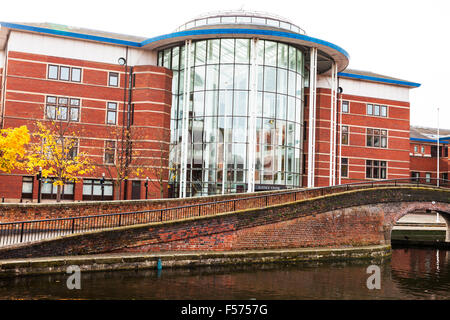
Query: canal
<point x="411" y="273"/>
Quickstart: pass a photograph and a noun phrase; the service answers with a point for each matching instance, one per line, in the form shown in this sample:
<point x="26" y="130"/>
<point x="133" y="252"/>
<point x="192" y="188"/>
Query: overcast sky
<point x="407" y="39"/>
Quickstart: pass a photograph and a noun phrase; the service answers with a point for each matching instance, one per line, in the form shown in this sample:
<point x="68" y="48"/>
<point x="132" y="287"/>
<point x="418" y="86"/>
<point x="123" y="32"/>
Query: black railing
<point x="33" y="230"/>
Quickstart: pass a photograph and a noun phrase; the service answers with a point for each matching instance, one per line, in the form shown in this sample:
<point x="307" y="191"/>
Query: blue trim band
<point x="70" y="34"/>
<point x="376" y="79"/>
<point x="444" y="141"/>
<point x="245" y="31"/>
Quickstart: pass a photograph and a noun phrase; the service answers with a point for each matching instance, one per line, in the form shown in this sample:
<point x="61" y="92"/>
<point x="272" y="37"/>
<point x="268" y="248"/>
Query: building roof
<point x="376" y="77"/>
<point x="425" y="134"/>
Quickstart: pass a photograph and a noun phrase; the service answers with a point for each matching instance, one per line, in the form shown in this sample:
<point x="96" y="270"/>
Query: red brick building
<point x="424" y="154"/>
<point x="241" y="121"/>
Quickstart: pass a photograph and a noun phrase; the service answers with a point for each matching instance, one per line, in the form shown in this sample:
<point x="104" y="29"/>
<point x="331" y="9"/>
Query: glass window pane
<point x="225" y="103"/>
<point x="383" y="111"/>
<point x="68" y="188"/>
<point x="369" y="109"/>
<point x="199" y="78"/>
<point x="198" y="103"/>
<point x="227" y="51"/>
<point x="62" y="113"/>
<point x="281" y="106"/>
<point x="111" y="117"/>
<point x="241" y="77"/>
<point x="270" y="77"/>
<point x="213" y="51"/>
<point x="270" y="53"/>
<point x="269" y="105"/>
<point x="63" y="101"/>
<point x="291" y="83"/>
<point x="212" y="102"/>
<point x="175" y="58"/>
<point x="240" y="129"/>
<point x="212" y="77"/>
<point x="242" y="50"/>
<point x="226" y="76"/>
<point x="282" y="81"/>
<point x="51" y="112"/>
<point x="112" y="105"/>
<point x="74" y="102"/>
<point x="292" y="58"/>
<point x="76" y="74"/>
<point x="376" y="110"/>
<point x="282" y="55"/>
<point x="52" y="72"/>
<point x="240" y="103"/>
<point x="51" y="99"/>
<point x="200" y="53"/>
<point x="74" y="114"/>
<point x="167" y="58"/>
<point x="64" y="73"/>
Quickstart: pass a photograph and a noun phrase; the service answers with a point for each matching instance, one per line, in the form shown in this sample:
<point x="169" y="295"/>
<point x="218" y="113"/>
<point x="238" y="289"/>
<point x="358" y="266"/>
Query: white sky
<point x="407" y="39"/>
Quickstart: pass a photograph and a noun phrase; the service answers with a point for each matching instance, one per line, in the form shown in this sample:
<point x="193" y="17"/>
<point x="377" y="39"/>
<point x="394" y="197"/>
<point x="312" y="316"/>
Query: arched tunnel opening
<point x="422" y="228"/>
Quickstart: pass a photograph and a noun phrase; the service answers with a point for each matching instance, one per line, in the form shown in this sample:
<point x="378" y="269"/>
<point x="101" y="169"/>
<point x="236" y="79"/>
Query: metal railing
<point x="33" y="230"/>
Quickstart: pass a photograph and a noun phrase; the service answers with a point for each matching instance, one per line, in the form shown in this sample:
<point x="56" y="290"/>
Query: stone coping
<point x="188" y="259"/>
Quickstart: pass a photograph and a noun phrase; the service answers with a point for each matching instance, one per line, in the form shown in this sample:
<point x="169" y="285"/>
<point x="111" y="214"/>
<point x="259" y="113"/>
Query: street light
<point x="39" y="179"/>
<point x="102" y="183"/>
<point x="146" y="187"/>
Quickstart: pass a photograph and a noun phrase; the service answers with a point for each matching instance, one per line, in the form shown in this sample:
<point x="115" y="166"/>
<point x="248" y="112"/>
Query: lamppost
<point x="438" y="151"/>
<point x="102" y="183"/>
<point x="146" y="187"/>
<point x="340" y="90"/>
<point x="39" y="179"/>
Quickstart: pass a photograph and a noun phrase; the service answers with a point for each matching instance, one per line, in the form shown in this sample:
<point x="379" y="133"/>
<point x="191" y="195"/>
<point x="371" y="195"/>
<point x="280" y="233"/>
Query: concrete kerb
<point x="112" y="262"/>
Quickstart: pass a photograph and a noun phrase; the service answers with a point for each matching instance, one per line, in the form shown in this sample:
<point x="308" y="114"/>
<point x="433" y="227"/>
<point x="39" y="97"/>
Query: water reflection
<point x="410" y="274"/>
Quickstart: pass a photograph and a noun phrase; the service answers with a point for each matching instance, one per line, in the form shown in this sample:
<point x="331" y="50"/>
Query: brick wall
<point x="351" y="219"/>
<point x="28" y="86"/>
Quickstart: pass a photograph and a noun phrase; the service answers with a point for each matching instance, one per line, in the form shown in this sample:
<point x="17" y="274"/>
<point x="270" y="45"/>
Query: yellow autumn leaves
<point x="54" y="153"/>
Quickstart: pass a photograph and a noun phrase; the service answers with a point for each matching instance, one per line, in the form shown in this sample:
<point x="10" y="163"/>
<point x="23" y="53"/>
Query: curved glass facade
<point x="219" y="115"/>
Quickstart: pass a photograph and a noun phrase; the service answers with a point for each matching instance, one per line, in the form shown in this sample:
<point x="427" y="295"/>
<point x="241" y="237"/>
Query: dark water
<point x="409" y="274"/>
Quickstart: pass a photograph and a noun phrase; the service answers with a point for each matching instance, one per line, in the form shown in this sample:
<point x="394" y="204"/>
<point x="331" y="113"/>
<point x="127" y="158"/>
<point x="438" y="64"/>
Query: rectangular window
<point x="445" y="177"/>
<point x="376" y="110"/>
<point x="27" y="187"/>
<point x="376" y="138"/>
<point x="111" y="113"/>
<point x="345" y="107"/>
<point x="345" y="135"/>
<point x="416" y="149"/>
<point x="49" y="190"/>
<point x="113" y="79"/>
<point x="92" y="189"/>
<point x="376" y="169"/>
<point x="370" y="109"/>
<point x="73" y="152"/>
<point x="344" y="167"/>
<point x="53" y="72"/>
<point x="64" y="73"/>
<point x="422" y="149"/>
<point x="427" y="177"/>
<point x="415" y="176"/>
<point x="59" y="108"/>
<point x="384" y="111"/>
<point x="110" y="151"/>
<point x="76" y="75"/>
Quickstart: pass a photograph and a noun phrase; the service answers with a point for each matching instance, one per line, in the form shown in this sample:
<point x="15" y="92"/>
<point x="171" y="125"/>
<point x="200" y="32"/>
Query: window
<point x="376" y="110"/>
<point x="76" y="75"/>
<point x="64" y="73"/>
<point x="27" y="187"/>
<point x="415" y="176"/>
<point x="376" y="169"/>
<point x="445" y="176"/>
<point x="376" y="138"/>
<point x="111" y="113"/>
<point x="110" y="150"/>
<point x="62" y="108"/>
<point x="49" y="190"/>
<point x="416" y="149"/>
<point x="113" y="79"/>
<point x="345" y="107"/>
<point x="73" y="152"/>
<point x="427" y="177"/>
<point x="92" y="189"/>
<point x="53" y="72"/>
<point x="345" y="135"/>
<point x="344" y="167"/>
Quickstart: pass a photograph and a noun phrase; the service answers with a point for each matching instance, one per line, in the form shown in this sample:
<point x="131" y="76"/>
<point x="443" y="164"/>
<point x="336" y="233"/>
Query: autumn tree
<point x="13" y="142"/>
<point x="130" y="152"/>
<point x="55" y="151"/>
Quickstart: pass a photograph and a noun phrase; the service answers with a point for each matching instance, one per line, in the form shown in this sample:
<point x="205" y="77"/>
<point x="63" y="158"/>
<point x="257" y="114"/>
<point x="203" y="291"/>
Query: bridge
<point x="348" y="215"/>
